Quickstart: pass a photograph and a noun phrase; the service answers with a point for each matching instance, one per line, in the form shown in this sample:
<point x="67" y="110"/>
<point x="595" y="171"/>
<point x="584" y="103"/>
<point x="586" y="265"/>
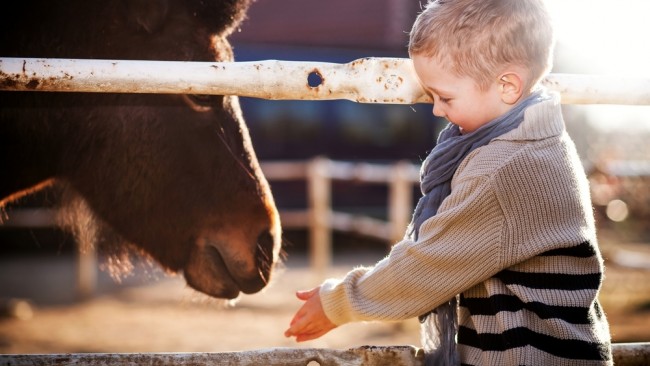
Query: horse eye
<point x="202" y="99"/>
<point x="200" y="102"/>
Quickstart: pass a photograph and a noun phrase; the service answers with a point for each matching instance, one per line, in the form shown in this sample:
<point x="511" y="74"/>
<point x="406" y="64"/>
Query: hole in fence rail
<point x="314" y="79"/>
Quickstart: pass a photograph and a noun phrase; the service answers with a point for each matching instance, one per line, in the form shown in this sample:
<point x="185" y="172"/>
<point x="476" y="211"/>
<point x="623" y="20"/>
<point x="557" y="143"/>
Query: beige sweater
<point x="516" y="238"/>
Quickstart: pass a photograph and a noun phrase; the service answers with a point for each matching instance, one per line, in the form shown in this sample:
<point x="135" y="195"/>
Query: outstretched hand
<point x="310" y="321"/>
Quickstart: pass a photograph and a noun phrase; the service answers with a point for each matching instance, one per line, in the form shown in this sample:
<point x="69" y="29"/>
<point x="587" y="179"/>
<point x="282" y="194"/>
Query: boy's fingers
<point x="303" y="325"/>
<point x="308" y="325"/>
<point x="311" y="336"/>
<point x="291" y="331"/>
<point x="296" y="326"/>
<point x="294" y="320"/>
<point x="299" y="327"/>
<point x="308" y="322"/>
<point x="305" y="295"/>
<point x="299" y="314"/>
<point x="298" y="323"/>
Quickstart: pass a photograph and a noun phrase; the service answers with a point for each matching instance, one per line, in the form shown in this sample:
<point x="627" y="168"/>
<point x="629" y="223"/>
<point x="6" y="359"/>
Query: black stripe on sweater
<point x="520" y="337"/>
<point x="550" y="281"/>
<point x="498" y="303"/>
<point x="582" y="250"/>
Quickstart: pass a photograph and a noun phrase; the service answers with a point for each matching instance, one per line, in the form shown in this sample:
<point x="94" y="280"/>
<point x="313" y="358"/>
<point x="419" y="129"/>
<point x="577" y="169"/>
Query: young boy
<point x="501" y="260"/>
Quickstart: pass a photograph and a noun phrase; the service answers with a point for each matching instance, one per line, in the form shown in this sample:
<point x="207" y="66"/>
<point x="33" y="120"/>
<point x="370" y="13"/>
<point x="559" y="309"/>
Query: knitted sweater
<point x="516" y="239"/>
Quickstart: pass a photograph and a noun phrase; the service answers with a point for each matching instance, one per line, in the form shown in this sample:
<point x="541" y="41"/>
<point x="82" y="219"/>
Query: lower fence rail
<point x="394" y="356"/>
<point x="625" y="354"/>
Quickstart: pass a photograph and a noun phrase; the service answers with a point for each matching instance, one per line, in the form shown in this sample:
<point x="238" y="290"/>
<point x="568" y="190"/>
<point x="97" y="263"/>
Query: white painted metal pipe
<point x="599" y="89"/>
<point x="368" y="80"/>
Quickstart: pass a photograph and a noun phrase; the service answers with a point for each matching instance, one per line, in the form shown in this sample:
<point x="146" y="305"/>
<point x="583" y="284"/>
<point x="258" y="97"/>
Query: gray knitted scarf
<point x="439" y="331"/>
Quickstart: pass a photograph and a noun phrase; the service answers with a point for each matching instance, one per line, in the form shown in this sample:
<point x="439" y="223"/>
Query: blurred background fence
<point x="619" y="190"/>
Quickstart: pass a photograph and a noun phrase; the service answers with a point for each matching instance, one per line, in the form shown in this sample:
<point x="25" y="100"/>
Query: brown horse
<point x="174" y="176"/>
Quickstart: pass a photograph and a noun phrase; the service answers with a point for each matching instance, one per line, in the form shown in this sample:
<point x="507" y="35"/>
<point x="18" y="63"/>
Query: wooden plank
<point x="367" y="356"/>
<point x="625" y="354"/>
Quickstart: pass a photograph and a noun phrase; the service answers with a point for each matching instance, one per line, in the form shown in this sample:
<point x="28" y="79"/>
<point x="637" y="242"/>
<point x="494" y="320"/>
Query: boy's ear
<point x="511" y="87"/>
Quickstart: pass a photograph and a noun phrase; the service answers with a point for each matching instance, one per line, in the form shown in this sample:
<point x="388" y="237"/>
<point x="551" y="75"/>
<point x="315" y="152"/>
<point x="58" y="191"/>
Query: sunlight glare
<point x="605" y="37"/>
<point x="611" y="36"/>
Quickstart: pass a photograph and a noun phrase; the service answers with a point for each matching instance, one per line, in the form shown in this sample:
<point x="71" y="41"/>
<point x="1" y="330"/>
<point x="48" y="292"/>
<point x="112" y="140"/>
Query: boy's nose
<point x="437" y="111"/>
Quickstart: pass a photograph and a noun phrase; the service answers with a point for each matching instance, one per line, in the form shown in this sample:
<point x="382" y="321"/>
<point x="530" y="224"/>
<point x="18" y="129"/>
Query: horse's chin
<point x="206" y="272"/>
<point x="209" y="272"/>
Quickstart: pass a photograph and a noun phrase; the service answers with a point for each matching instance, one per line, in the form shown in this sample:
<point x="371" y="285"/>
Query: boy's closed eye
<point x="436" y="96"/>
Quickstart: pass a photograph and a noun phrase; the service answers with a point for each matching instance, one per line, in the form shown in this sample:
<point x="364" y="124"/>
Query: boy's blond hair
<point x="477" y="38"/>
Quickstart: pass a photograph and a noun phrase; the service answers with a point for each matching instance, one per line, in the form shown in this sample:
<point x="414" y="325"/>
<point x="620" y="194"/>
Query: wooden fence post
<point x="319" y="198"/>
<point x="86" y="272"/>
<point x="400" y="204"/>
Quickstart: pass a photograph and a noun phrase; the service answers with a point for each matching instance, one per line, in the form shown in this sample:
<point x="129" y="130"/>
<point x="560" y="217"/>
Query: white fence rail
<point x="367" y="80"/>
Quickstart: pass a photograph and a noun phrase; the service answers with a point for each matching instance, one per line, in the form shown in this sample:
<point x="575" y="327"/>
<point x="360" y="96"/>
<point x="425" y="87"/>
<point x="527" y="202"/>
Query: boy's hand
<point x="310" y="321"/>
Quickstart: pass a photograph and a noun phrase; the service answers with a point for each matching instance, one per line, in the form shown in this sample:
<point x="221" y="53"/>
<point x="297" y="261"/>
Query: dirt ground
<point x="152" y="312"/>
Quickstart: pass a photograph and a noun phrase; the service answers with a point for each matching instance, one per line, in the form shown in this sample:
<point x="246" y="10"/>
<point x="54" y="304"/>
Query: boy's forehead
<point x="433" y="75"/>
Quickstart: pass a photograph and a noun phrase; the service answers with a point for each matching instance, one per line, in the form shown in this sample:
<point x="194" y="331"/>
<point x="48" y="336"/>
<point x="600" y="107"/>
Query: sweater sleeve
<point x="457" y="248"/>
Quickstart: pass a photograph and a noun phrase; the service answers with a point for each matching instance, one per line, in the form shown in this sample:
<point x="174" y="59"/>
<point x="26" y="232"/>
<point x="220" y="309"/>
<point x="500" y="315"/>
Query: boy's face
<point x="458" y="98"/>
